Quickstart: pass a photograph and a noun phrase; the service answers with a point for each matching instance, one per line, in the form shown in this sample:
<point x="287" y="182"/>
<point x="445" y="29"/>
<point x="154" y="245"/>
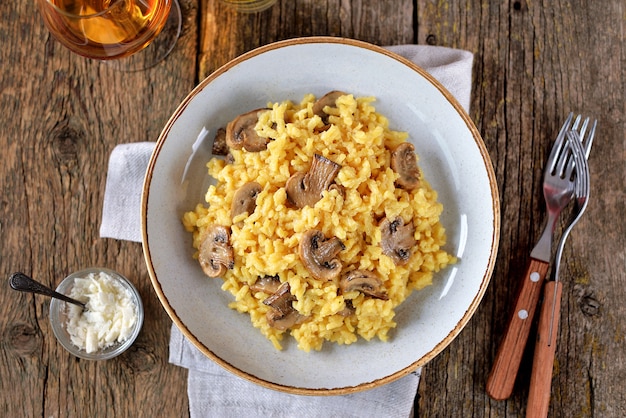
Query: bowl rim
<point x="58" y="328"/>
<point x="489" y="170"/>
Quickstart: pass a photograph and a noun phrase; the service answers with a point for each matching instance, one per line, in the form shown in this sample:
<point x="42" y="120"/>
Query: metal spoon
<point x="23" y="283"/>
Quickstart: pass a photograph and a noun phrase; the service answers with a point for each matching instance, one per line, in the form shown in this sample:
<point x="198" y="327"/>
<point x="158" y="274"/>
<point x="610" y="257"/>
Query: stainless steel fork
<point x="545" y="347"/>
<point x="583" y="185"/>
<point x="558" y="190"/>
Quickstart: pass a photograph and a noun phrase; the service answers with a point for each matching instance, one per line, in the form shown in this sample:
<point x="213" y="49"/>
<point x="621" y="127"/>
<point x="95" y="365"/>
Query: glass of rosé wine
<point x="131" y="35"/>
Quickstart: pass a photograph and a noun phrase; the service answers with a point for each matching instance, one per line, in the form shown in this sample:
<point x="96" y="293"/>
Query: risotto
<point x="320" y="223"/>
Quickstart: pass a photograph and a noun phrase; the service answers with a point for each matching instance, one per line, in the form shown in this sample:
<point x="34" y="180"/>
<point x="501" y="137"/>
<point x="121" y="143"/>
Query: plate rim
<point x="489" y="170"/>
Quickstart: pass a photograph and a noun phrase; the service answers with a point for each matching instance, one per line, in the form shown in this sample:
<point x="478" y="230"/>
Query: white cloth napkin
<point x="215" y="392"/>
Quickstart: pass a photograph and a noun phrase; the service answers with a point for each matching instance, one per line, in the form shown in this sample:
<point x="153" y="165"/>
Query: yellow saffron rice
<point x="265" y="242"/>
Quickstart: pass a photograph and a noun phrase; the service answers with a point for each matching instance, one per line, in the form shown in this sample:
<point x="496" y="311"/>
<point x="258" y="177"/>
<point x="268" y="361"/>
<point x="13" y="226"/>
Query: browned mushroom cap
<point x="404" y="162"/>
<point x="220" y="147"/>
<point x="240" y="132"/>
<point x="216" y="253"/>
<point x="329" y="99"/>
<point x="283" y="321"/>
<point x="244" y="199"/>
<point x="266" y="284"/>
<point x="365" y="282"/>
<point x="282" y="315"/>
<point x="318" y="254"/>
<point x="305" y="189"/>
<point x="397" y="240"/>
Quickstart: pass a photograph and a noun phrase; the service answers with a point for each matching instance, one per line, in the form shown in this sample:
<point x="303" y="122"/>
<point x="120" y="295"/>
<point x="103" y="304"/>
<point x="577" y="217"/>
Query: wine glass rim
<point x="111" y="5"/>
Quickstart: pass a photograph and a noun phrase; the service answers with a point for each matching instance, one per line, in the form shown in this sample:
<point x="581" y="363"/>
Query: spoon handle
<point x="23" y="283"/>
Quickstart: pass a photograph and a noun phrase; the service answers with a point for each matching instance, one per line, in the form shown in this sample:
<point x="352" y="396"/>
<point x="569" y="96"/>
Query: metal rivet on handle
<point x="534" y="277"/>
<point x="523" y="314"/>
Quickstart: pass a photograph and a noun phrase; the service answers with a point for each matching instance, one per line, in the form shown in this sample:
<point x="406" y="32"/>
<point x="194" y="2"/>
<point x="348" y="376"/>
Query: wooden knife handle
<point x="543" y="361"/>
<point x="504" y="371"/>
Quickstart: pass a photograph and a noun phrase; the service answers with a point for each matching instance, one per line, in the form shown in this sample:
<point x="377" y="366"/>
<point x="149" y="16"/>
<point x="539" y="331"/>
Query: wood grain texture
<point x="62" y="115"/>
<point x="511" y="348"/>
<point x="545" y="349"/>
<point x="534" y="62"/>
<point x="225" y="34"/>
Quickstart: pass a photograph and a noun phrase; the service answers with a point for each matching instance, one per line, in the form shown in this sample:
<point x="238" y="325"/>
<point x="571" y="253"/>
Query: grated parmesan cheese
<point x="110" y="316"/>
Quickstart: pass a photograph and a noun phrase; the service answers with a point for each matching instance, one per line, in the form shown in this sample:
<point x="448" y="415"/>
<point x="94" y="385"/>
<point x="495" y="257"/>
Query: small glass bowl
<point x="58" y="317"/>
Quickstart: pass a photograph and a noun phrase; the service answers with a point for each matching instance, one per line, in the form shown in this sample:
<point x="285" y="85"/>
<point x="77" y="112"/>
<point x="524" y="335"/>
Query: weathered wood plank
<point x="225" y="34"/>
<point x="68" y="114"/>
<point x="535" y="62"/>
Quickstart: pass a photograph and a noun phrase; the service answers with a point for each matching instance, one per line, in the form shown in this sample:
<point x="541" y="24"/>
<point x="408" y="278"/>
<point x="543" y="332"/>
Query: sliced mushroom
<point x="240" y="132"/>
<point x="330" y="100"/>
<point x="318" y="254"/>
<point x="305" y="189"/>
<point x="284" y="321"/>
<point x="348" y="310"/>
<point x="281" y="299"/>
<point x="282" y="315"/>
<point x="244" y="199"/>
<point x="266" y="284"/>
<point x="404" y="162"/>
<point x="397" y="240"/>
<point x="339" y="188"/>
<point x="220" y="147"/>
<point x="365" y="282"/>
<point x="216" y="253"/>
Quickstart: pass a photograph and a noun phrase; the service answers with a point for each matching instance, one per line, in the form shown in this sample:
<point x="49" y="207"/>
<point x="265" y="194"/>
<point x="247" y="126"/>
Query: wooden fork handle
<point x="545" y="348"/>
<point x="504" y="371"/>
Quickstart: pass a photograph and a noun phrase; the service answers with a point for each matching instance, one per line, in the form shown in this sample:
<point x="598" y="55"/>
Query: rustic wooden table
<point x="534" y="62"/>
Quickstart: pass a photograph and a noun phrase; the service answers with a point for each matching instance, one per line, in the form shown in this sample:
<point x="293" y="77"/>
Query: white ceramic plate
<point x="452" y="156"/>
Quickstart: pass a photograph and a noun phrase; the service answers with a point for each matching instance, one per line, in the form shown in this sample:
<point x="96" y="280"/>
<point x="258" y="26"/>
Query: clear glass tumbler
<point x="113" y="29"/>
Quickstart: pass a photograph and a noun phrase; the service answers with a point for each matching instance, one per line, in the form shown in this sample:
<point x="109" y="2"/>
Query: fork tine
<point x="574" y="142"/>
<point x="564" y="166"/>
<point x="576" y="122"/>
<point x="589" y="140"/>
<point x="567" y="166"/>
<point x="583" y="128"/>
<point x="566" y="124"/>
<point x="583" y="177"/>
<point x="568" y="163"/>
<point x="578" y="152"/>
<point x="558" y="145"/>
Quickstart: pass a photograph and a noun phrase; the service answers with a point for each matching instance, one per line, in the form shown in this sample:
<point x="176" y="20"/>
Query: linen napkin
<point x="212" y="390"/>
